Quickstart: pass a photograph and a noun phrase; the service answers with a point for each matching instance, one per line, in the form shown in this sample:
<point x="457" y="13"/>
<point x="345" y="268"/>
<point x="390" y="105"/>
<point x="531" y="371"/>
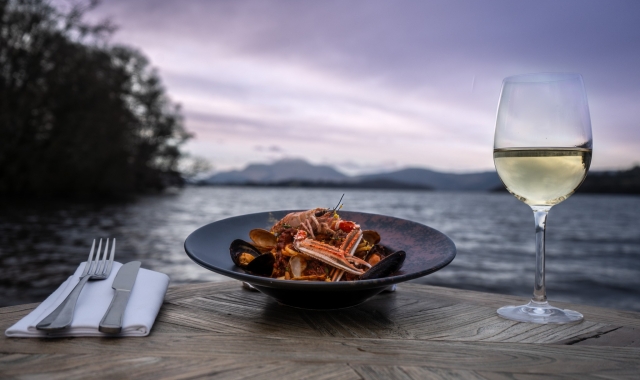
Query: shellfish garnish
<point x="263" y="239"/>
<point x="370" y="236"/>
<point x="249" y="258"/>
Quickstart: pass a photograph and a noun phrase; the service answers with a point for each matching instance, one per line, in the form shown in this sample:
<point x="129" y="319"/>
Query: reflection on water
<point x="593" y="242"/>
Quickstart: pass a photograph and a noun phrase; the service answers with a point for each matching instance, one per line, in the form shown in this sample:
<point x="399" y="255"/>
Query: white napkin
<point x="144" y="303"/>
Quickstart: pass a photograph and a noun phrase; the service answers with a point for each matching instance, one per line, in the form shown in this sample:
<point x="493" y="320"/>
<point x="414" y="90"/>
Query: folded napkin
<point x="144" y="303"/>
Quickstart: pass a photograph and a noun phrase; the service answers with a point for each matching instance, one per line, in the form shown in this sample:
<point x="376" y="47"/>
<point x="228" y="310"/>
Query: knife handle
<point x="112" y="321"/>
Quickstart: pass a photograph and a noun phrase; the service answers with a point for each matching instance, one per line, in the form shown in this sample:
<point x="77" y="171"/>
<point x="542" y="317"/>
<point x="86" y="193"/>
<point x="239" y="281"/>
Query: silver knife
<point x="123" y="283"/>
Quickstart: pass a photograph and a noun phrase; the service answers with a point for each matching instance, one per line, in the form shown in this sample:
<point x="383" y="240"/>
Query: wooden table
<point x="223" y="331"/>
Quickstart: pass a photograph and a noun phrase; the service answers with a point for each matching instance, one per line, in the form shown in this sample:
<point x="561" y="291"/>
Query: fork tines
<point x="102" y="266"/>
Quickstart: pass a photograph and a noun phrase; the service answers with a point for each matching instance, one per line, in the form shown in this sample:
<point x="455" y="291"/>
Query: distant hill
<point x="380" y="184"/>
<point x="438" y="180"/>
<point x="284" y="170"/>
<point x="299" y="173"/>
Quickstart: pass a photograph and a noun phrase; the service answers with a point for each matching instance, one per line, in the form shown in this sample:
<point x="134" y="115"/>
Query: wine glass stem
<point x="539" y="290"/>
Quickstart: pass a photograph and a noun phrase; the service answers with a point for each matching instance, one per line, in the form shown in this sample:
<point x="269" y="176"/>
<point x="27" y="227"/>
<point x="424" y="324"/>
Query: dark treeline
<point x="621" y="182"/>
<point x="79" y="117"/>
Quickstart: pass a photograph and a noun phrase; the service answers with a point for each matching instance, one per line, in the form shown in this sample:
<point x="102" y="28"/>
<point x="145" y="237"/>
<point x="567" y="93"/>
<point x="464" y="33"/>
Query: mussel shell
<point x="379" y="249"/>
<point x="262" y="265"/>
<point x="240" y="246"/>
<point x="263" y="239"/>
<point x="386" y="266"/>
<point x="370" y="236"/>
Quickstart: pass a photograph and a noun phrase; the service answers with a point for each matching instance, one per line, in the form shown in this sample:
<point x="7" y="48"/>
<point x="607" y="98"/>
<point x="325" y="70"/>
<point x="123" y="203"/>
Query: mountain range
<point x="296" y="172"/>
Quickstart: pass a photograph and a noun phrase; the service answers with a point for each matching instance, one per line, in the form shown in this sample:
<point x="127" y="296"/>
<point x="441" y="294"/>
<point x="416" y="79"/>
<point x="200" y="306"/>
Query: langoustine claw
<point x="326" y="253"/>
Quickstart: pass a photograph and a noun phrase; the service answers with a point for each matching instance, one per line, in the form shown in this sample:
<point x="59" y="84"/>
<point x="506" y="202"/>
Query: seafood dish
<point x="315" y="245"/>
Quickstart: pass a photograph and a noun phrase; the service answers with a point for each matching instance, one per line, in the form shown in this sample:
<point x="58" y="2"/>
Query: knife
<point x="123" y="283"/>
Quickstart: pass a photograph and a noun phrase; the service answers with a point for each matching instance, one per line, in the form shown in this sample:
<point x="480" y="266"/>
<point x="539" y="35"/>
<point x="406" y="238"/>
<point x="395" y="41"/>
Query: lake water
<point x="593" y="241"/>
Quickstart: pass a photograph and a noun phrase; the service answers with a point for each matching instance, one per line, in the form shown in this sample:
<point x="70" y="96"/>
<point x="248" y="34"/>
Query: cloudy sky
<point x="380" y="85"/>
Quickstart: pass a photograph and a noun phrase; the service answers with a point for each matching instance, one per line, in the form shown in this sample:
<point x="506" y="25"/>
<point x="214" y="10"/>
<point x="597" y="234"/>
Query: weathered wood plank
<point x="407" y="313"/>
<point x="18" y="309"/>
<point x="12" y="314"/>
<point x="533" y="376"/>
<point x="201" y="289"/>
<point x="448" y="295"/>
<point x="264" y="316"/>
<point x="436" y="320"/>
<point x="62" y="366"/>
<point x="219" y="330"/>
<point x="494" y="301"/>
<point x="619" y="337"/>
<point x="490" y="300"/>
<point x="414" y="311"/>
<point x="71" y="367"/>
<point x="377" y="372"/>
<point x="511" y="357"/>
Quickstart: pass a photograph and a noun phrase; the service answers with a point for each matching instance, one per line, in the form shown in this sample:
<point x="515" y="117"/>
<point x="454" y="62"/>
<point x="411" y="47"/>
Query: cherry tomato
<point x="346" y="226"/>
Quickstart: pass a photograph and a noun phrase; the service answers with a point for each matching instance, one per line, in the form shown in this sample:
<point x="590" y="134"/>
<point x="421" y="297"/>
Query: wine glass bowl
<point x="542" y="153"/>
<point x="542" y="176"/>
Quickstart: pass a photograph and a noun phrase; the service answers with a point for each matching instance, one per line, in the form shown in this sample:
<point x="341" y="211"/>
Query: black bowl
<point x="427" y="251"/>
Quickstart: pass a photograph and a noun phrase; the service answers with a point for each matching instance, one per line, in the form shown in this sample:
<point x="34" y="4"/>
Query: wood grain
<point x="220" y="330"/>
<point x="512" y="357"/>
<point x="408" y="313"/>
<point x="494" y="301"/>
<point x="620" y="337"/>
<point x="124" y="366"/>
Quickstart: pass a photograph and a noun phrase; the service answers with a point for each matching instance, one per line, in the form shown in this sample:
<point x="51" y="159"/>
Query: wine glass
<point x="542" y="152"/>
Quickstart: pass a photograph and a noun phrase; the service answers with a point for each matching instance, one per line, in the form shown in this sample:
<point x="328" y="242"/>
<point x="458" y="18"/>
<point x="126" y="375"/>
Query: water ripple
<point x="593" y="242"/>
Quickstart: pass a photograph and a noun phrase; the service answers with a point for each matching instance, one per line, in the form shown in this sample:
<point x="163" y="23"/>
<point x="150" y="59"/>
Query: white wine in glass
<point x="542" y="176"/>
<point x="542" y="152"/>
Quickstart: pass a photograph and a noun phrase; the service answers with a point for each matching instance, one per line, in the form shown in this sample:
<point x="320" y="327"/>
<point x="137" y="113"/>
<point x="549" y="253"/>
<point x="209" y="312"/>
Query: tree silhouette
<point x="78" y="116"/>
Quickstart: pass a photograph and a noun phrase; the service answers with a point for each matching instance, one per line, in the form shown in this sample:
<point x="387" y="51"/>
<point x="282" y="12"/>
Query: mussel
<point x="386" y="266"/>
<point x="249" y="258"/>
<point x="375" y="254"/>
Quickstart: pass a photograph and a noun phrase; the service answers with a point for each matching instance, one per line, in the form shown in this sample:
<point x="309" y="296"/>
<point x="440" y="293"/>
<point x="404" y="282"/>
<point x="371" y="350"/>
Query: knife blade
<point x="123" y="283"/>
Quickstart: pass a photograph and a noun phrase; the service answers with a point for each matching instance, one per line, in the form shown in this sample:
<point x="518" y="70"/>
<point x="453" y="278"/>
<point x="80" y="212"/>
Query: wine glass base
<point x="540" y="312"/>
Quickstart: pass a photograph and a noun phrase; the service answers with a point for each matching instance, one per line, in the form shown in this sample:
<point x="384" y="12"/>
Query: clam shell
<point x="263" y="239"/>
<point x="370" y="236"/>
<point x="297" y="265"/>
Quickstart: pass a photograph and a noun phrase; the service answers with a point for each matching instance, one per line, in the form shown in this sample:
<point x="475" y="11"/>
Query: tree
<point x="78" y="116"/>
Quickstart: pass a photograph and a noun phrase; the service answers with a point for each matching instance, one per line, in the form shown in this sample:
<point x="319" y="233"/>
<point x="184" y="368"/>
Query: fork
<point x="94" y="270"/>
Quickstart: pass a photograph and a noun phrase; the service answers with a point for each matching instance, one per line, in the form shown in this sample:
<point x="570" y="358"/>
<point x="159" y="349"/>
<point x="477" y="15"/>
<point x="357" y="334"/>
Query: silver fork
<point x="94" y="270"/>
